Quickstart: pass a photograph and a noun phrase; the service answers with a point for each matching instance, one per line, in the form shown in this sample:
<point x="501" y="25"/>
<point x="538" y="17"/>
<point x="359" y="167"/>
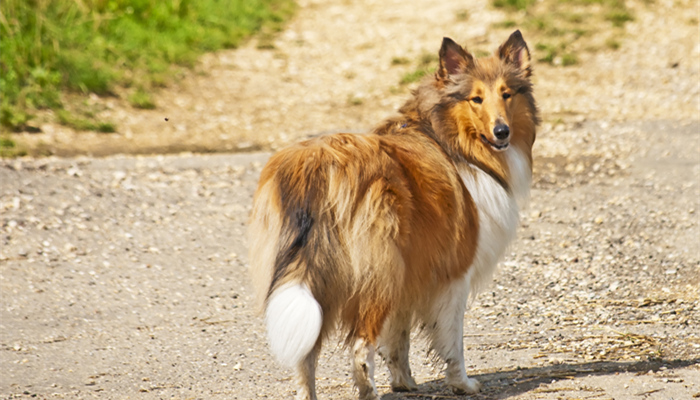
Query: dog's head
<point x="486" y="104"/>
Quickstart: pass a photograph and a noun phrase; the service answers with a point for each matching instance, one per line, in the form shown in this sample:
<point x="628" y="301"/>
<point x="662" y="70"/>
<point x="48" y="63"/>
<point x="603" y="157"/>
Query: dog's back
<point x="358" y="221"/>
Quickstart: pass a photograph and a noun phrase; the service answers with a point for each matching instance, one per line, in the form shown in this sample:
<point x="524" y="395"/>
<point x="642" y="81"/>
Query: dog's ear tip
<point x="515" y="51"/>
<point x="447" y="42"/>
<point x="517" y="36"/>
<point x="453" y="58"/>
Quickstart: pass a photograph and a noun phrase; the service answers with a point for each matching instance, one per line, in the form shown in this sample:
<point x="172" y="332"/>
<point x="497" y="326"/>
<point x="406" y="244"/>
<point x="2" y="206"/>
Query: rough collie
<point x="375" y="234"/>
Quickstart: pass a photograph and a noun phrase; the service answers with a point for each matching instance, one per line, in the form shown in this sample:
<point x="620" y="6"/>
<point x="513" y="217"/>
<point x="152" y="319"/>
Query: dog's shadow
<point x="502" y="385"/>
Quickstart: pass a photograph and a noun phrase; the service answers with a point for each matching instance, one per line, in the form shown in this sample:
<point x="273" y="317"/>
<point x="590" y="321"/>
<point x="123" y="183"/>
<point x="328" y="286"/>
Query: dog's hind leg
<point x="306" y="374"/>
<point x="445" y="324"/>
<point x="363" y="369"/>
<point x="394" y="344"/>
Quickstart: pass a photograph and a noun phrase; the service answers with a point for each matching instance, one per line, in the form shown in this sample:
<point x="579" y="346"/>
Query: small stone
<point x="74" y="171"/>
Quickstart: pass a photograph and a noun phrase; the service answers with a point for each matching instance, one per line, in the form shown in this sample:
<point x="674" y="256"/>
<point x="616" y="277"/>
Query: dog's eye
<point x="477" y="100"/>
<point x="506" y="96"/>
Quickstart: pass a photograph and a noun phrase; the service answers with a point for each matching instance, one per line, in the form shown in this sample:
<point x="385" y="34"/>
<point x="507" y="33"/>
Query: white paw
<point x="468" y="386"/>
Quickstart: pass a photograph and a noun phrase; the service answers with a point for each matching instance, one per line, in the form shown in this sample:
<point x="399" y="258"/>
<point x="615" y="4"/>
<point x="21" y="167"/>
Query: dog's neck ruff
<point x="520" y="178"/>
<point x="498" y="209"/>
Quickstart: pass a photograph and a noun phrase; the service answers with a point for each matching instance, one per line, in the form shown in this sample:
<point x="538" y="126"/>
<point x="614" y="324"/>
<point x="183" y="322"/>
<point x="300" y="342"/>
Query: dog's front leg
<point x="446" y="327"/>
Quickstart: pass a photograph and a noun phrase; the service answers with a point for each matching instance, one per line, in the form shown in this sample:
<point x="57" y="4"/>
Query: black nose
<point x="501" y="131"/>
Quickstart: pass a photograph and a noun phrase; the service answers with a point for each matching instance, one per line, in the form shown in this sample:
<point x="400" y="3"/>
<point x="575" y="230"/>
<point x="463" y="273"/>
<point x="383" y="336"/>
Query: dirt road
<point x="125" y="277"/>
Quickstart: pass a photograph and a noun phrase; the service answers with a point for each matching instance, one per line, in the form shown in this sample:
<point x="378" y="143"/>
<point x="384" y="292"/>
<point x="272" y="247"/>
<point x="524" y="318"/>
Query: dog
<point x="376" y="234"/>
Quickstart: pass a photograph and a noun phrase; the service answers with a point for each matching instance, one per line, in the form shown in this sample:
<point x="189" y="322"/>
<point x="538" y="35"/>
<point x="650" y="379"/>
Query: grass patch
<point x="612" y="43"/>
<point x="142" y="99"/>
<point x="355" y="100"/>
<point x="400" y="61"/>
<point x="428" y="60"/>
<point x="462" y="15"/>
<point x="507" y="24"/>
<point x="513" y="5"/>
<point x="555" y="54"/>
<point x="9" y="149"/>
<point x="427" y="63"/>
<point x="618" y="17"/>
<point x="569" y="59"/>
<point x="79" y="123"/>
<point x="563" y="29"/>
<point x="93" y="46"/>
<point x="546" y="52"/>
<point x="412" y="76"/>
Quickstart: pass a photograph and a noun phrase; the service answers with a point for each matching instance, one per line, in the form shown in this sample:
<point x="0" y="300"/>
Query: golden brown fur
<point x="377" y="225"/>
<point x="381" y="213"/>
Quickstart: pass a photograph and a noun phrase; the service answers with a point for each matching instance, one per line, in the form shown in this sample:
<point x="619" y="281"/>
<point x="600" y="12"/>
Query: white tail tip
<point x="293" y="318"/>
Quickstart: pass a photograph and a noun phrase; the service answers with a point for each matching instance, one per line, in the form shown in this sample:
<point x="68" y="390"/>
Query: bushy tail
<point x="294" y="320"/>
<point x="284" y="222"/>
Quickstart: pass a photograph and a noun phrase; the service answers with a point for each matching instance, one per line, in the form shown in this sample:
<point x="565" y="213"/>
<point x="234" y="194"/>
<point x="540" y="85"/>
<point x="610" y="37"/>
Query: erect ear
<point x="514" y="51"/>
<point x="453" y="59"/>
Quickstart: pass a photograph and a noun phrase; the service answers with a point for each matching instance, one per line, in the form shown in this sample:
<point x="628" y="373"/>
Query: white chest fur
<point x="498" y="213"/>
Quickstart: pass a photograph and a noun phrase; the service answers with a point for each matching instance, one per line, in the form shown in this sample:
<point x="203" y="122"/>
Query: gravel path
<point x="125" y="277"/>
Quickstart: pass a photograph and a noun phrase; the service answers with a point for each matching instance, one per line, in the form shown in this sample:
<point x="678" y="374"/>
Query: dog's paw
<point x="369" y="395"/>
<point x="468" y="386"/>
<point x="406" y="385"/>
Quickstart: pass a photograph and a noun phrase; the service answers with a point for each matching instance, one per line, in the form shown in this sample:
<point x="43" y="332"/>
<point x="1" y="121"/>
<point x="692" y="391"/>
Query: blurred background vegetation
<point x="54" y="54"/>
<point x="52" y="47"/>
<point x="559" y="32"/>
<point x="565" y="28"/>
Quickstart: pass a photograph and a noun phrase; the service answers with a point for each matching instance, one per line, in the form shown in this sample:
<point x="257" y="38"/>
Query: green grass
<point x="618" y="17"/>
<point x="142" y="99"/>
<point x="569" y="59"/>
<point x="9" y="149"/>
<point x="93" y="46"/>
<point x="412" y="76"/>
<point x="546" y="52"/>
<point x="86" y="123"/>
<point x="507" y="24"/>
<point x="426" y="64"/>
<point x="513" y="4"/>
<point x="612" y="43"/>
<point x="564" y="28"/>
<point x="400" y="61"/>
<point x="355" y="101"/>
